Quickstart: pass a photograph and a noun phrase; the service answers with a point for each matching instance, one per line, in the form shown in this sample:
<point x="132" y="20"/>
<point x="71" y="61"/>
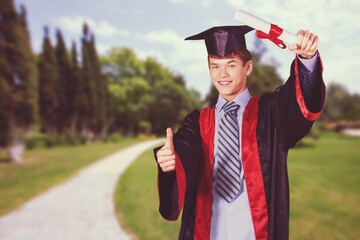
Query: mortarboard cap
<point x="223" y="40"/>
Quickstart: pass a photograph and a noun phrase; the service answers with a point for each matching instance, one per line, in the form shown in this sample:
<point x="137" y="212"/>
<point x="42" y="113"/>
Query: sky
<point x="157" y="29"/>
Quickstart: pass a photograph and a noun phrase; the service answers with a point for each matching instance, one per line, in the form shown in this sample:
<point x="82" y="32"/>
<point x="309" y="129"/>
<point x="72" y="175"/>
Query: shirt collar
<point x="242" y="99"/>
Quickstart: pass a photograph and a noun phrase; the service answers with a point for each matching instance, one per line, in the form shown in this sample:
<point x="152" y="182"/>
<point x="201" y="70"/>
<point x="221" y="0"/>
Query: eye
<point x="214" y="66"/>
<point x="232" y="66"/>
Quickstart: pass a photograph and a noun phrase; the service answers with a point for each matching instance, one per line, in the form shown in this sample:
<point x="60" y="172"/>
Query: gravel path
<point x="79" y="209"/>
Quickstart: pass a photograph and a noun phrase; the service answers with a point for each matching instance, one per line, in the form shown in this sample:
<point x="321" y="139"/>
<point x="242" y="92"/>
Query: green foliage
<point x="169" y="107"/>
<point x="18" y="77"/>
<point x="48" y="87"/>
<point x="154" y="72"/>
<point x="212" y="97"/>
<point x="145" y="91"/>
<point x="263" y="78"/>
<point x="130" y="99"/>
<point x="78" y="107"/>
<point x="95" y="102"/>
<point x="340" y="104"/>
<point x="145" y="127"/>
<point x="63" y="89"/>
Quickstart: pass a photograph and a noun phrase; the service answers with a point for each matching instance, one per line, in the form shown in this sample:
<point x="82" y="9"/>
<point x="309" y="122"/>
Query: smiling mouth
<point x="224" y="83"/>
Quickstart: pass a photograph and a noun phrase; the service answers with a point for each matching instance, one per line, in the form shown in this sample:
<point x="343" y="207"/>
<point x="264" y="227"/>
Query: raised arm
<point x="298" y="103"/>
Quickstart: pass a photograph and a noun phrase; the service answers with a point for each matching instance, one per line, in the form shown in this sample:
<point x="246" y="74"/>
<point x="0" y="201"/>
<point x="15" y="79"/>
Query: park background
<point x="79" y="76"/>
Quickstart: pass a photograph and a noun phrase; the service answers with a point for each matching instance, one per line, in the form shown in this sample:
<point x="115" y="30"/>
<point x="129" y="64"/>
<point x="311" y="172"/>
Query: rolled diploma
<point x="262" y="25"/>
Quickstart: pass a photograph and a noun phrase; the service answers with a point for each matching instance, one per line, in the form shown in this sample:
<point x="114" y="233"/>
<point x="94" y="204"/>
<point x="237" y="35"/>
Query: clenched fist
<point x="166" y="154"/>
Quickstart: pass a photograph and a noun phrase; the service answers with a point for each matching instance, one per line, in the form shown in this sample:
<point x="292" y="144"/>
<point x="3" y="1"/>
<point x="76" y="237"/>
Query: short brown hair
<point x="243" y="55"/>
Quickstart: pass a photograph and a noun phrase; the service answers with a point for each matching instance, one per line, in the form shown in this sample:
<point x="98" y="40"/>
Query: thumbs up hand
<point x="166" y="154"/>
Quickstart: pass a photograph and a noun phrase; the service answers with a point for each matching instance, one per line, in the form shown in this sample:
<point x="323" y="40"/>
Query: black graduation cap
<point x="223" y="40"/>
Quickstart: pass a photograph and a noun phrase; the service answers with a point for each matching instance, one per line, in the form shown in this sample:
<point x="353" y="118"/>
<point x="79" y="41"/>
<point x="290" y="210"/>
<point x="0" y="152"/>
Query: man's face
<point x="229" y="76"/>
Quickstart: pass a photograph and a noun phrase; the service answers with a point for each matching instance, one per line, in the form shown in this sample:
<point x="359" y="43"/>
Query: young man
<point x="226" y="167"/>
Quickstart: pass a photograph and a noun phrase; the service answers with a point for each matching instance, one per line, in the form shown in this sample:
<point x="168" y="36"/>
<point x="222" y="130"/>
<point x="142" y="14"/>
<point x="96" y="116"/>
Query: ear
<point x="249" y="67"/>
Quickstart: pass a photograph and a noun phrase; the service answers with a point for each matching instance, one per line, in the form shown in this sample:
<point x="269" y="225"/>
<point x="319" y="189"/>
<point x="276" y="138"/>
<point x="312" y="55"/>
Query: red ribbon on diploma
<point x="273" y="35"/>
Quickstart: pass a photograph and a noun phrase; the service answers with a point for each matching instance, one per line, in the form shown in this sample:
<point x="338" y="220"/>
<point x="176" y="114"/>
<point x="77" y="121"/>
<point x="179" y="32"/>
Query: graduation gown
<point x="272" y="124"/>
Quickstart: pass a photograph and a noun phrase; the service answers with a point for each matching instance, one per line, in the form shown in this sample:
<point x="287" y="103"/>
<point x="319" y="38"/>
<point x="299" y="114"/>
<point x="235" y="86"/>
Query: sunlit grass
<point x="44" y="168"/>
<point x="325" y="190"/>
<point x="324" y="183"/>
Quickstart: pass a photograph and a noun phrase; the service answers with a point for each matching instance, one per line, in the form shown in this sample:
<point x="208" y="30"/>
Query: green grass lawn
<point x="44" y="168"/>
<point x="324" y="183"/>
<point x="325" y="189"/>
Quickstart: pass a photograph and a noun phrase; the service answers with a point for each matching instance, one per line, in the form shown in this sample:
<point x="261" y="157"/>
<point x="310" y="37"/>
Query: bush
<point x="145" y="127"/>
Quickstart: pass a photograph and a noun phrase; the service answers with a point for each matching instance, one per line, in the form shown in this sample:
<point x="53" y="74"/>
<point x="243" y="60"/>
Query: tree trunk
<point x="16" y="150"/>
<point x="17" y="136"/>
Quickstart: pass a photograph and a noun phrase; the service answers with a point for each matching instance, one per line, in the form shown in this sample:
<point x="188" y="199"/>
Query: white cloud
<point x="207" y="3"/>
<point x="203" y="3"/>
<point x="238" y="3"/>
<point x="167" y="36"/>
<point x="181" y="51"/>
<point x="178" y="1"/>
<point x="185" y="56"/>
<point x="101" y="29"/>
<point x="102" y="49"/>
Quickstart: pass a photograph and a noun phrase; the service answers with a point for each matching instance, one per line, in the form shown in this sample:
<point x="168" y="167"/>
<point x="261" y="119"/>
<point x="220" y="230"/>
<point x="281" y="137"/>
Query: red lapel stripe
<point x="204" y="193"/>
<point x="252" y="169"/>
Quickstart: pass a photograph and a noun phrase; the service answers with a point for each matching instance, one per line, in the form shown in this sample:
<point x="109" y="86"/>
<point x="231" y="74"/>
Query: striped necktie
<point x="229" y="166"/>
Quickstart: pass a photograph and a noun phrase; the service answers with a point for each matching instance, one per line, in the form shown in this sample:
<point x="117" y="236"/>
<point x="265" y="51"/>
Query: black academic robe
<point x="272" y="124"/>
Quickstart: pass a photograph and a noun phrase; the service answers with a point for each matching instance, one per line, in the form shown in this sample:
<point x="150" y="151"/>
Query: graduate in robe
<point x="191" y="164"/>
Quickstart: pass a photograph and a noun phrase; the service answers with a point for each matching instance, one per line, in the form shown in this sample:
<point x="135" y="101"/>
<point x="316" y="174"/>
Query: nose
<point x="223" y="72"/>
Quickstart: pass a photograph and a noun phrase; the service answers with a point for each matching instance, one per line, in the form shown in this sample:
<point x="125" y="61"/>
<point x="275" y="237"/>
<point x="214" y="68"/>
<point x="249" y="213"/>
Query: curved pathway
<point x="79" y="209"/>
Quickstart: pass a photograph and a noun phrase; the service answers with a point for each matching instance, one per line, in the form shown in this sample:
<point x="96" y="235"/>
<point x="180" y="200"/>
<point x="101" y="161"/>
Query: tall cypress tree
<point x="18" y="78"/>
<point x="101" y="91"/>
<point x="89" y="84"/>
<point x="3" y="89"/>
<point x="63" y="88"/>
<point x="28" y="73"/>
<point x="48" y="84"/>
<point x="75" y="91"/>
<point x="87" y="103"/>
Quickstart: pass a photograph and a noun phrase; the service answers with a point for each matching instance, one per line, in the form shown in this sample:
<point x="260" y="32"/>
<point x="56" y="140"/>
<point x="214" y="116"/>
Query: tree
<point x="48" y="89"/>
<point x="154" y="72"/>
<point x="340" y="104"/>
<point x="64" y="90"/>
<point x="101" y="92"/>
<point x="95" y="87"/>
<point x="263" y="78"/>
<point x="88" y="85"/>
<point x="353" y="112"/>
<point x="76" y="94"/>
<point x="131" y="101"/>
<point x="18" y="79"/>
<point x="121" y="64"/>
<point x="169" y="107"/>
<point x="3" y="91"/>
<point x="28" y="72"/>
<point x="212" y="96"/>
<point x="145" y="94"/>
